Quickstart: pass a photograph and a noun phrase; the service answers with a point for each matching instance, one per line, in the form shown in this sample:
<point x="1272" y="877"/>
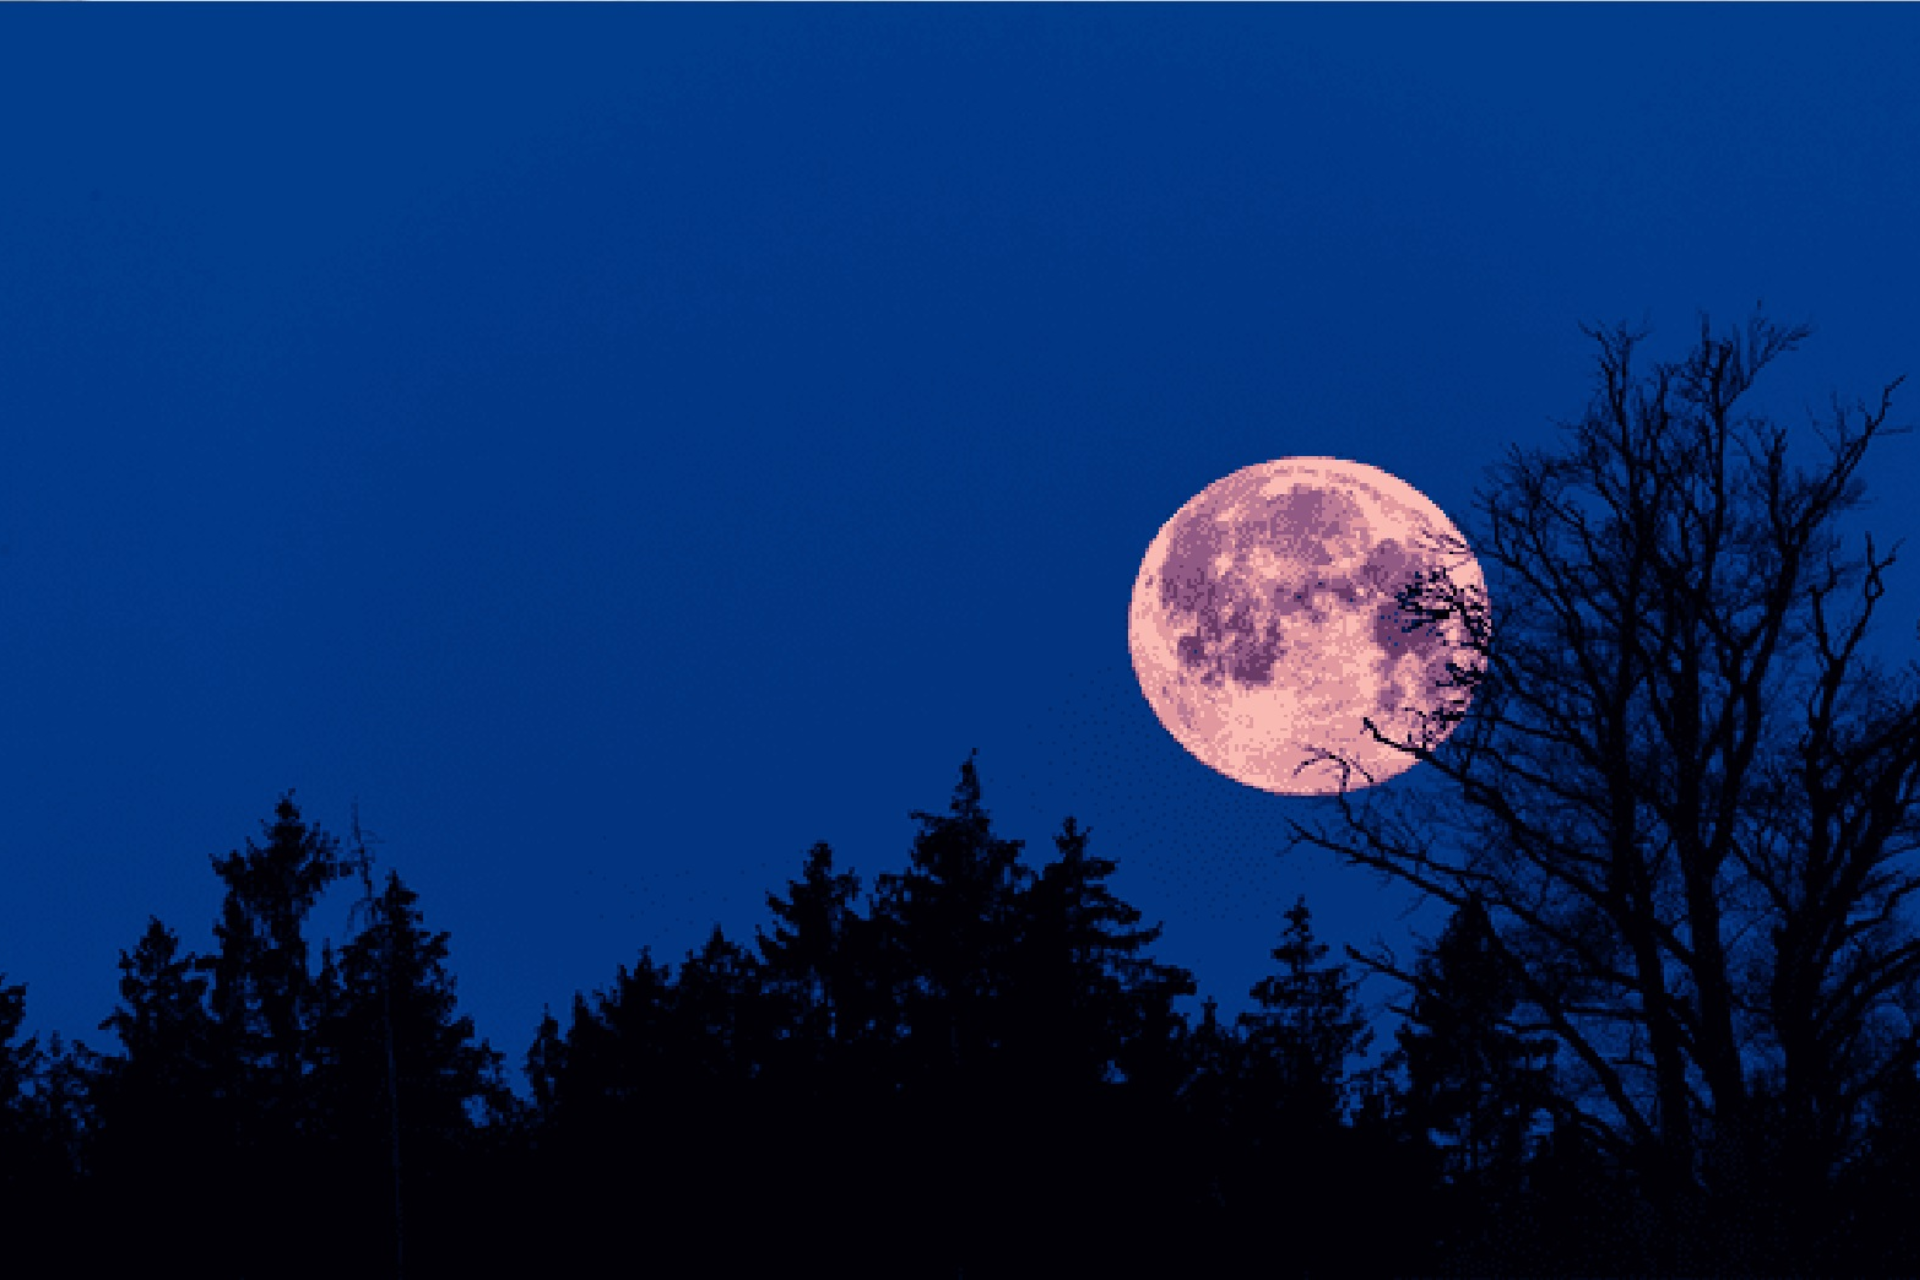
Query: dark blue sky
<point x="623" y="446"/>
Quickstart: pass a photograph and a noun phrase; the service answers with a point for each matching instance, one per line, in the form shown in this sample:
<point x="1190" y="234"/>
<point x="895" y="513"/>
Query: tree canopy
<point x="1684" y="792"/>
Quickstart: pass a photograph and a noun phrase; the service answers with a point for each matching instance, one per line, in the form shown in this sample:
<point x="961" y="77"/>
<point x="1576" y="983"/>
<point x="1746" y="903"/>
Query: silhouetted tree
<point x="1384" y="1158"/>
<point x="1205" y="1142"/>
<point x="403" y="1076"/>
<point x="1583" y="1214"/>
<point x="619" y="1046"/>
<point x="949" y="924"/>
<point x="1877" y="1190"/>
<point x="19" y="1058"/>
<point x="162" y="1022"/>
<point x="1096" y="1006"/>
<point x="723" y="1014"/>
<point x="1475" y="1085"/>
<point x="155" y="1102"/>
<point x="947" y="931"/>
<point x="371" y="919"/>
<point x="42" y="1105"/>
<point x="614" y="1124"/>
<point x="1211" y="1055"/>
<point x="811" y="963"/>
<point x="1078" y="1091"/>
<point x="543" y="1066"/>
<point x="1684" y="793"/>
<point x="1288" y="1100"/>
<point x="263" y="989"/>
<point x="23" y="1148"/>
<point x="1308" y="1026"/>
<point x="263" y="1005"/>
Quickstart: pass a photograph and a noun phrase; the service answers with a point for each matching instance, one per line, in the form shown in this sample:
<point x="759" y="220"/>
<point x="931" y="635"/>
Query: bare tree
<point x="1682" y="790"/>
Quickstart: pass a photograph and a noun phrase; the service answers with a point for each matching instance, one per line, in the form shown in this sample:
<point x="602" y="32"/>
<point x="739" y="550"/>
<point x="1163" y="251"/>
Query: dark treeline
<point x="974" y="1068"/>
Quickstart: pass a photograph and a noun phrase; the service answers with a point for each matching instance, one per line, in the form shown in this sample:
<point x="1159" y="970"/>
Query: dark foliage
<point x="1476" y="1087"/>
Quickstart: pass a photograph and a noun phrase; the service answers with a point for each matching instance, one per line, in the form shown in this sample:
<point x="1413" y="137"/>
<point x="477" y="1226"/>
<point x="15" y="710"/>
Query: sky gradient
<point x="620" y="447"/>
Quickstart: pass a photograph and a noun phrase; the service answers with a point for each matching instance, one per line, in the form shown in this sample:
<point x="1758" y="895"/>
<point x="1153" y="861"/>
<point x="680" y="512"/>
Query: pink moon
<point x="1266" y="625"/>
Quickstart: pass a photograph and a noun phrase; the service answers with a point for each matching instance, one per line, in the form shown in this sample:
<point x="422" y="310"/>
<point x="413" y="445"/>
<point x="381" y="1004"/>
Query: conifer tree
<point x="42" y="1101"/>
<point x="1476" y="1085"/>
<point x="21" y="1150"/>
<point x="263" y="991"/>
<point x="949" y="925"/>
<point x="948" y="929"/>
<point x="825" y="1127"/>
<point x="262" y="1150"/>
<point x="1308" y="1025"/>
<point x="406" y="1080"/>
<point x="613" y="1147"/>
<point x="724" y="1023"/>
<point x="1287" y="1158"/>
<point x="154" y="1103"/>
<point x="544" y="1063"/>
<point x="1096" y="1006"/>
<point x="1211" y="1066"/>
<point x="617" y="1060"/>
<point x="19" y="1058"/>
<point x="810" y="960"/>
<point x="395" y="974"/>
<point x="162" y="1021"/>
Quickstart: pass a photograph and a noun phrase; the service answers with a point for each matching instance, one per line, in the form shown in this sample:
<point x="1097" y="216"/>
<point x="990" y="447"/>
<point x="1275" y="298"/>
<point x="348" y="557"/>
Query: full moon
<point x="1267" y="625"/>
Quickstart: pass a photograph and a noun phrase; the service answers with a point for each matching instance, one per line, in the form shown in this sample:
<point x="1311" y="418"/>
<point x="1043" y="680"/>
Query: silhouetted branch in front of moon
<point x="1347" y="767"/>
<point x="1266" y="613"/>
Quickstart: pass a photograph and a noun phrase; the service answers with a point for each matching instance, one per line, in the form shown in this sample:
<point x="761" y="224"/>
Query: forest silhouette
<point x="1671" y="1025"/>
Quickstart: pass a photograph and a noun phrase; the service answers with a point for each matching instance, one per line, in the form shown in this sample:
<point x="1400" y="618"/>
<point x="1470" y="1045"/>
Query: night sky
<point x="622" y="446"/>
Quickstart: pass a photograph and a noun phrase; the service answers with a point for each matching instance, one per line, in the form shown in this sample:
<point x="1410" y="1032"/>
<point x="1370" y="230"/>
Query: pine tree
<point x="947" y="931"/>
<point x="263" y="992"/>
<point x="22" y="1149"/>
<point x="948" y="928"/>
<point x="616" y="1130"/>
<point x="156" y="1102"/>
<point x="725" y="1020"/>
<point x="395" y="972"/>
<point x="1210" y="1055"/>
<point x="19" y="1058"/>
<point x="810" y="962"/>
<point x="263" y="1002"/>
<point x="406" y="1080"/>
<point x="826" y="1129"/>
<point x="616" y="1062"/>
<point x="1308" y="1025"/>
<point x="1288" y="1158"/>
<point x="1207" y="1143"/>
<point x="545" y="1062"/>
<point x="1087" y="1072"/>
<point x="42" y="1113"/>
<point x="162" y="1021"/>
<point x="1476" y="1086"/>
<point x="1095" y="1006"/>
